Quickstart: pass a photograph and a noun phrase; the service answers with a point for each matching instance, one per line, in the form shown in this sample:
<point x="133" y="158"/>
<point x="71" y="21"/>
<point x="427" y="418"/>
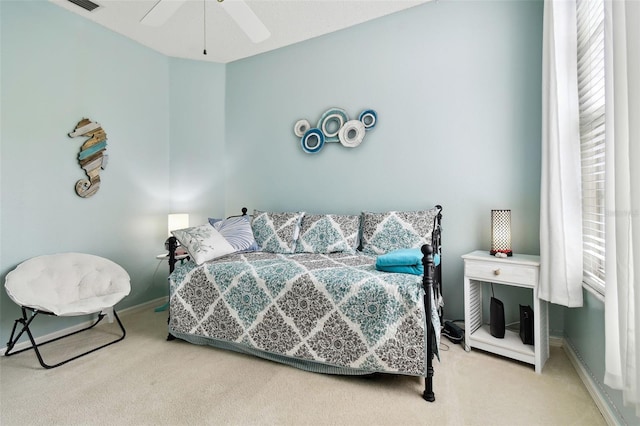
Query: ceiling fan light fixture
<point x="161" y="12"/>
<point x="246" y="19"/>
<point x="238" y="10"/>
<point x="204" y="25"/>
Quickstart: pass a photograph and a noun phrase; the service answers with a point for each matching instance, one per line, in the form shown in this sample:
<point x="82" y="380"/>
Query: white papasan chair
<point x="65" y="284"/>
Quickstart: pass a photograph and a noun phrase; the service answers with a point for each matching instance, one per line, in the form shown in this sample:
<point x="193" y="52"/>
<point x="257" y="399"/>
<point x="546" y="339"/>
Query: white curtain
<point x="560" y="192"/>
<point x="622" y="221"/>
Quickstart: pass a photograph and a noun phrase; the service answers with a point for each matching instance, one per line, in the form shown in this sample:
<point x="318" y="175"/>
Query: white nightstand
<point x="520" y="270"/>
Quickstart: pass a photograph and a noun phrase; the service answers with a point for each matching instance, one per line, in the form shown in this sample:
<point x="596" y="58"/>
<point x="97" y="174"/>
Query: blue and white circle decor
<point x="334" y="126"/>
<point x="352" y="133"/>
<point x="368" y="118"/>
<point x="312" y="141"/>
<point x="301" y="127"/>
<point x="331" y="122"/>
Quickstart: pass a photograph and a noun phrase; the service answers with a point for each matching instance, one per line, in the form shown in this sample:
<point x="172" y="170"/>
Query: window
<point x="591" y="94"/>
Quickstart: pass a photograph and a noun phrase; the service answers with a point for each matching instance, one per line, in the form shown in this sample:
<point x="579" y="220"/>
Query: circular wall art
<point x="312" y="141"/>
<point x="331" y="122"/>
<point x="301" y="127"/>
<point x="368" y="118"/>
<point x="352" y="133"/>
<point x="334" y="126"/>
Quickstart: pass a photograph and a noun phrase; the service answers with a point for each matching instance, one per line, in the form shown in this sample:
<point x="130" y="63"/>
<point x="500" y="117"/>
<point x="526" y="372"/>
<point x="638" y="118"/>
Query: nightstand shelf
<point x="517" y="271"/>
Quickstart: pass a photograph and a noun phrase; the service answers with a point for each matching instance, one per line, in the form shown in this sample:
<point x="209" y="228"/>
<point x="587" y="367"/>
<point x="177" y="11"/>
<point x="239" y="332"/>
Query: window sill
<point x="594" y="292"/>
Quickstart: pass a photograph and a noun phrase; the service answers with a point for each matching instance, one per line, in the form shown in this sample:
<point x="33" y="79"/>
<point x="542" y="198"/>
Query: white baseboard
<point x="122" y="313"/>
<point x="602" y="402"/>
<point x="556" y="341"/>
<point x="137" y="308"/>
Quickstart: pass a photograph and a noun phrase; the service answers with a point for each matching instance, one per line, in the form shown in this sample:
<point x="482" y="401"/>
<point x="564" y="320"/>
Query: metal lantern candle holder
<point x="501" y="232"/>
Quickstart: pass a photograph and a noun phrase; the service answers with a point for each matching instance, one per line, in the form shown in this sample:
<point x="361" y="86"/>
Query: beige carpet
<point x="147" y="380"/>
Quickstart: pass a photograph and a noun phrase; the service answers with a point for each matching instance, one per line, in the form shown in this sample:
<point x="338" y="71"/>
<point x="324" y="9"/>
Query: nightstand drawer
<point x="501" y="272"/>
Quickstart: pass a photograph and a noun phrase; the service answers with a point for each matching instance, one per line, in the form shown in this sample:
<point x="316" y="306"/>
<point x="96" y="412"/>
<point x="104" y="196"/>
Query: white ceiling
<point x="182" y="35"/>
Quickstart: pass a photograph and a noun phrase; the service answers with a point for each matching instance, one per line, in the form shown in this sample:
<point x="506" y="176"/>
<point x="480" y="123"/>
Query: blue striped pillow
<point x="237" y="231"/>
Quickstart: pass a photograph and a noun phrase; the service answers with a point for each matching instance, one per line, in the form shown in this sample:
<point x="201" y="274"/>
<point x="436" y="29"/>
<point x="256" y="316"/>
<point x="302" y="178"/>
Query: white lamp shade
<point x="177" y="221"/>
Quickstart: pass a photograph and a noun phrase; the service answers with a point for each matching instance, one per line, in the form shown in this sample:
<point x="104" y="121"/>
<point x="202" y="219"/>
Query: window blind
<point x="591" y="84"/>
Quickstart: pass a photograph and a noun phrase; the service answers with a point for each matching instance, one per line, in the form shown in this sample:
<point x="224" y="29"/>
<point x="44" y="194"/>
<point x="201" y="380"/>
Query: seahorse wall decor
<point x="91" y="156"/>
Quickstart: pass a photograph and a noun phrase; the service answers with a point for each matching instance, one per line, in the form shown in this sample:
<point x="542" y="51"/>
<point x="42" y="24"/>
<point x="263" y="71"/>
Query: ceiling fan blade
<point x="161" y="12"/>
<point x="246" y="19"/>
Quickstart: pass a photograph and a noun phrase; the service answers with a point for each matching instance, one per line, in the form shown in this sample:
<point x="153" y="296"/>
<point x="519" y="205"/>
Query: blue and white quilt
<point x="332" y="313"/>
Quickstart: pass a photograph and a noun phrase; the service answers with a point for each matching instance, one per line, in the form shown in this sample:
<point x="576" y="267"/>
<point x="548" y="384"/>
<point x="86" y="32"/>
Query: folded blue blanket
<point x="403" y="269"/>
<point x="403" y="261"/>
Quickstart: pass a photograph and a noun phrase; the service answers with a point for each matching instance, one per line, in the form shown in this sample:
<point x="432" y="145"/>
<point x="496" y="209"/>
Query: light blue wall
<point x="456" y="86"/>
<point x="197" y="102"/>
<point x="584" y="330"/>
<point x="56" y="69"/>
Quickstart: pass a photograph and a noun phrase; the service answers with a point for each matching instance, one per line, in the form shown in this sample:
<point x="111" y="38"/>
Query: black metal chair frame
<point x="26" y="321"/>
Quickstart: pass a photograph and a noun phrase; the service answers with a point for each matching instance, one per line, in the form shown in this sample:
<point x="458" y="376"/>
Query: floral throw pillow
<point x="276" y="232"/>
<point x="385" y="232"/>
<point x="328" y="233"/>
<point x="203" y="243"/>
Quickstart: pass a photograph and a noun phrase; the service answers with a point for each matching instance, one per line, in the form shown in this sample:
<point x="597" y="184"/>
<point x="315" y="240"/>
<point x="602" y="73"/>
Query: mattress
<point x="332" y="313"/>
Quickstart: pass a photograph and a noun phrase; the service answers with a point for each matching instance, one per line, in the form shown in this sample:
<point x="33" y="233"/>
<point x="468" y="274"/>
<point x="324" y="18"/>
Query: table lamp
<point x="177" y="221"/>
<point x="501" y="232"/>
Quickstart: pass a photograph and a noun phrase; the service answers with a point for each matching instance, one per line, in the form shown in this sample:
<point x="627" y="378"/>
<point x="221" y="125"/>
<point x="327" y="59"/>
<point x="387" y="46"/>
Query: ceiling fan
<point x="239" y="11"/>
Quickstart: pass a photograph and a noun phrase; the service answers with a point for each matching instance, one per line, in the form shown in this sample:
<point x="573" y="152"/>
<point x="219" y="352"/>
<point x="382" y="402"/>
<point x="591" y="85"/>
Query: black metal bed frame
<point x="431" y="281"/>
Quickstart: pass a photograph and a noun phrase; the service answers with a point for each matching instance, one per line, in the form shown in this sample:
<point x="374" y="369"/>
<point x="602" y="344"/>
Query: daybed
<point x="311" y="295"/>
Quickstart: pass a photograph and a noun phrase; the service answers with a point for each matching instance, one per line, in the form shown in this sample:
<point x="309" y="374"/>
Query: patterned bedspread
<point x="308" y="310"/>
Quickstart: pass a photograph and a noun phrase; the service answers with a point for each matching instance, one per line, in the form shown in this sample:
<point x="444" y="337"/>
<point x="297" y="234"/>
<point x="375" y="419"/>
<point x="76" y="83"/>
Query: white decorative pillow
<point x="385" y="232"/>
<point x="276" y="232"/>
<point x="328" y="233"/>
<point x="203" y="243"/>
